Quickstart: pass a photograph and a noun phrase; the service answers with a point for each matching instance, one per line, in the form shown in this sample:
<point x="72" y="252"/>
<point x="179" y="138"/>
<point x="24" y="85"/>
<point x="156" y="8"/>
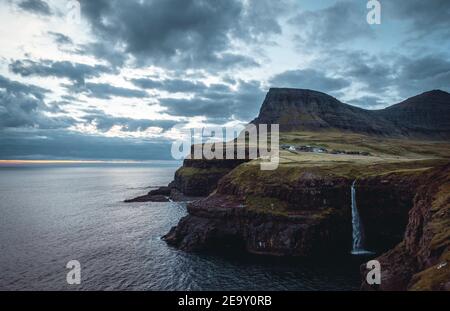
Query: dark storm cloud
<point x="102" y="50"/>
<point x="219" y="101"/>
<point x="18" y="111"/>
<point x="17" y="88"/>
<point x="421" y="74"/>
<point x="105" y="122"/>
<point x="35" y="6"/>
<point x="384" y="74"/>
<point x="407" y="75"/>
<point x="426" y="17"/>
<point x="334" y="25"/>
<point x="308" y="79"/>
<point x="371" y="70"/>
<point x="106" y="91"/>
<point x="183" y="33"/>
<point x="22" y="105"/>
<point x="75" y="72"/>
<point x="425" y="67"/>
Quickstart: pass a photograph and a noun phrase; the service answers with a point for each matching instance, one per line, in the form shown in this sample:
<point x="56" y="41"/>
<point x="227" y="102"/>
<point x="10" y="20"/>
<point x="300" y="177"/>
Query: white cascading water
<point x="358" y="238"/>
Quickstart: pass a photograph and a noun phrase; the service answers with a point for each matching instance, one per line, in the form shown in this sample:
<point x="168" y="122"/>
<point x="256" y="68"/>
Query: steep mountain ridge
<point x="423" y="116"/>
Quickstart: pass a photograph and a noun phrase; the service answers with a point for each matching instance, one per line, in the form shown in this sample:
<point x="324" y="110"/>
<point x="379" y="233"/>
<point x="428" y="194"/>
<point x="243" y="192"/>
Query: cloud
<point x="425" y="67"/>
<point x="104" y="122"/>
<point x="219" y="101"/>
<point x="308" y="79"/>
<point x="170" y="85"/>
<point x="107" y="91"/>
<point x="373" y="71"/>
<point x="416" y="75"/>
<point x="368" y="102"/>
<point x="17" y="88"/>
<point x="60" y="38"/>
<point x="17" y="111"/>
<point x="104" y="51"/>
<point x="35" y="6"/>
<point x="425" y="17"/>
<point x="342" y="22"/>
<point x="184" y="33"/>
<point x="22" y="105"/>
<point x="75" y="72"/>
<point x="27" y="130"/>
<point x="388" y="76"/>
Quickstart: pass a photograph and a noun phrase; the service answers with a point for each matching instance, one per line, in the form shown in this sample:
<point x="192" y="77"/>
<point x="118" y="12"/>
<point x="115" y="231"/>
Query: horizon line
<point x="37" y="161"/>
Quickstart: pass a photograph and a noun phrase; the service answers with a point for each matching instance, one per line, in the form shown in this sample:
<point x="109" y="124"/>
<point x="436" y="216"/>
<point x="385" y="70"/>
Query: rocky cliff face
<point x="309" y="215"/>
<point x="423" y="116"/>
<point x="224" y="221"/>
<point x="383" y="203"/>
<point x="200" y="177"/>
<point x="195" y="179"/>
<point x="422" y="260"/>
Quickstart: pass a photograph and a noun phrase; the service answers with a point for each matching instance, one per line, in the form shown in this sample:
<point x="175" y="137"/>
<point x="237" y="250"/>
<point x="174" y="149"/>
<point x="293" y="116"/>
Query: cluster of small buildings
<point x="307" y="148"/>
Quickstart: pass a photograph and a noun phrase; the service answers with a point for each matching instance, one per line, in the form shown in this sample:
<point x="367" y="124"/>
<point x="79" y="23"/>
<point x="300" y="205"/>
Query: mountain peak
<point x="435" y="93"/>
<point x="424" y="115"/>
<point x="298" y="93"/>
<point x="310" y="110"/>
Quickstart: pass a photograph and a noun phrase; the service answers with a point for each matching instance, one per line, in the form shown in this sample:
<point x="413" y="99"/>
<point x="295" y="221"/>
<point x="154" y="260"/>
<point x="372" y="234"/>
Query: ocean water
<point x="51" y="214"/>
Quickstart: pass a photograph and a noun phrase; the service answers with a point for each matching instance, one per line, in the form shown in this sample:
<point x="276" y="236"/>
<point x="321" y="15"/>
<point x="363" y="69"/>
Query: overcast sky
<point x="120" y="79"/>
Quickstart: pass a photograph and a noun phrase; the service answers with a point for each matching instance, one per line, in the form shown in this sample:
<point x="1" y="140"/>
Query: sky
<point x="114" y="79"/>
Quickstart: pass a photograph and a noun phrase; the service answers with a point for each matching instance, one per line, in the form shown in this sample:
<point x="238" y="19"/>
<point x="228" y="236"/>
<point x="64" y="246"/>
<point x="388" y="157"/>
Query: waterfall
<point x="357" y="234"/>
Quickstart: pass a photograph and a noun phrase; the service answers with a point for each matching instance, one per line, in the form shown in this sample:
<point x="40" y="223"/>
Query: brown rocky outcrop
<point x="422" y="260"/>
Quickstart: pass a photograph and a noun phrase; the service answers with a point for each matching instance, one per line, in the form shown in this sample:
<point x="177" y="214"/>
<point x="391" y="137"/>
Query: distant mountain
<point x="423" y="116"/>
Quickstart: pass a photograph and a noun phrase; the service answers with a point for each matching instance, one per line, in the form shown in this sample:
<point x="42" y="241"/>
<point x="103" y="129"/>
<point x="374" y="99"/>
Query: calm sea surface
<point x="51" y="214"/>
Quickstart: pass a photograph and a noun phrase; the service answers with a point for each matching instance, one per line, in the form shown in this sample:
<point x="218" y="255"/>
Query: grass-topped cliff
<point x="382" y="156"/>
